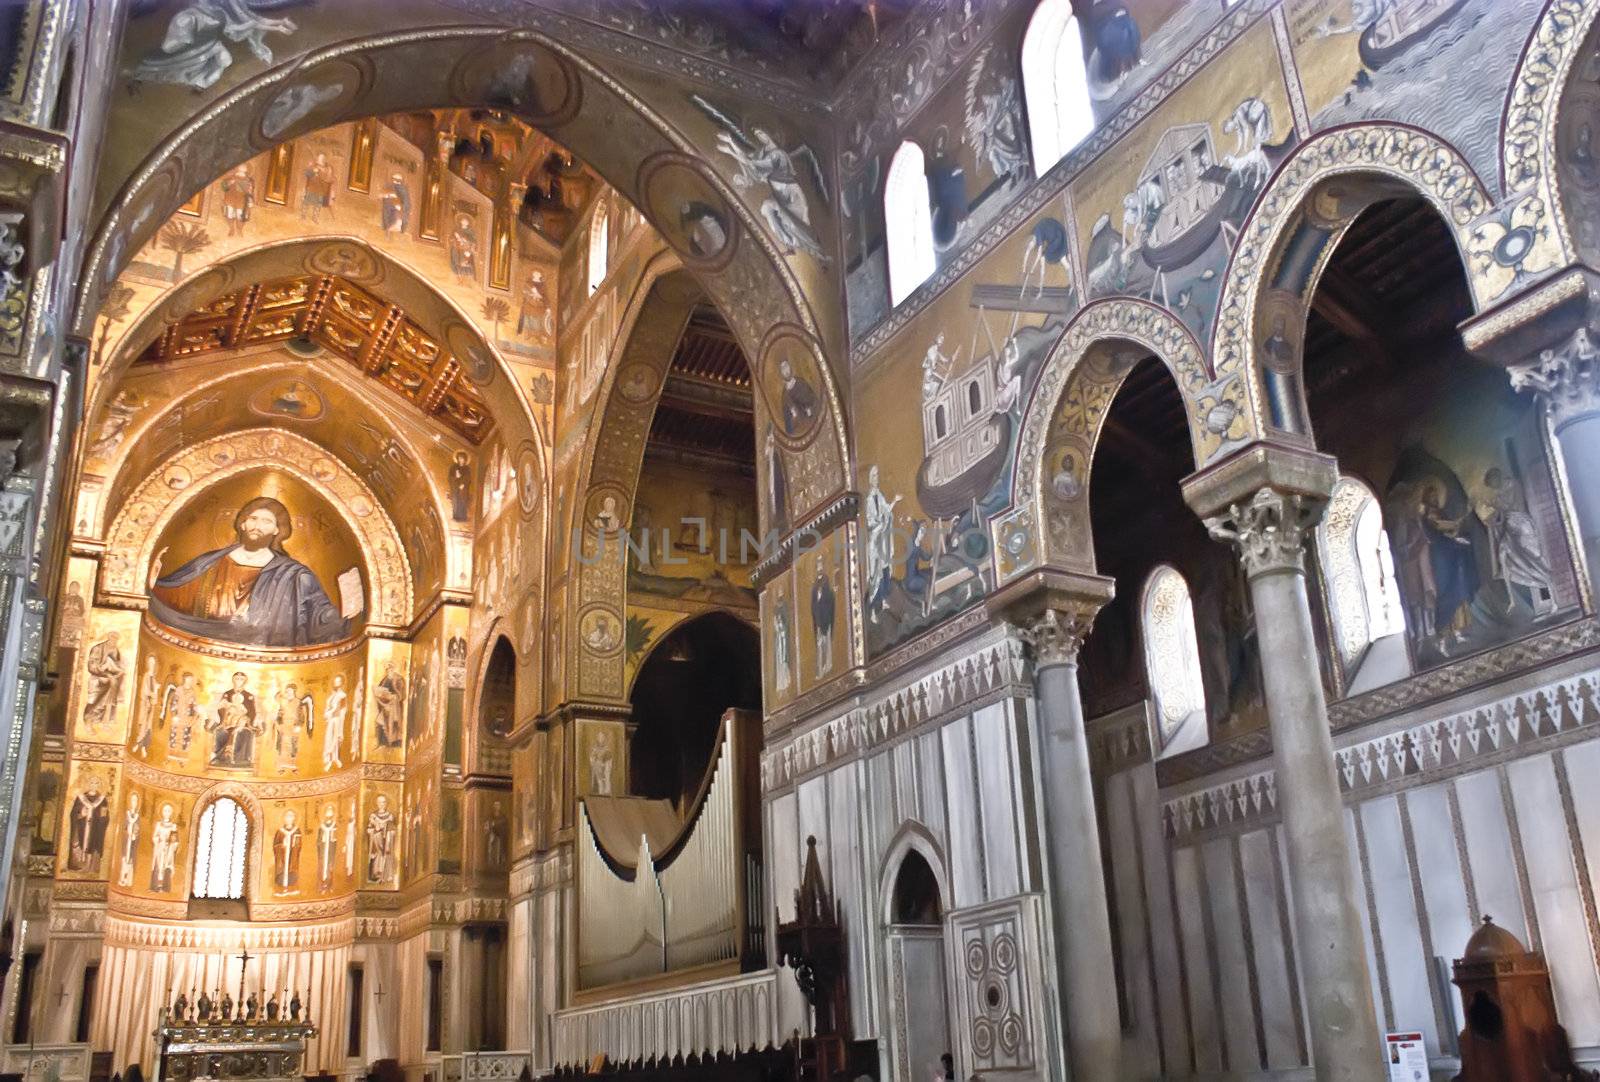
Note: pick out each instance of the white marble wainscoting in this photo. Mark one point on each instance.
(727, 1016)
(1482, 803)
(942, 763)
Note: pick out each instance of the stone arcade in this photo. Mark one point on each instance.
(891, 539)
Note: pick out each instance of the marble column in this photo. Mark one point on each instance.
(1547, 337)
(1055, 612)
(1265, 501)
(1566, 380)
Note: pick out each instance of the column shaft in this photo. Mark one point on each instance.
(1338, 992)
(1085, 966)
(1566, 380)
(1579, 441)
(1269, 529)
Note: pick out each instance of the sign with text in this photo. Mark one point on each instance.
(1407, 1056)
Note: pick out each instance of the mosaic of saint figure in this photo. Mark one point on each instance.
(382, 831)
(130, 841)
(86, 831)
(251, 592)
(164, 849)
(286, 855)
(390, 696)
(104, 688)
(327, 847)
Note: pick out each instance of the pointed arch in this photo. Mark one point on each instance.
(357, 261)
(126, 471)
(145, 515)
(912, 837)
(572, 99)
(1297, 221)
(657, 312)
(1050, 520)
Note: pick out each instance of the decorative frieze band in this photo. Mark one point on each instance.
(144, 935)
(76, 920)
(1452, 743)
(273, 790)
(808, 535)
(542, 872)
(1255, 797)
(994, 668)
(1120, 739)
(1431, 686)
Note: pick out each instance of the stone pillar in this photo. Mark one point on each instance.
(1265, 500)
(1055, 611)
(1566, 380)
(1548, 339)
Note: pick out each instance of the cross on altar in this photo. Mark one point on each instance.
(244, 960)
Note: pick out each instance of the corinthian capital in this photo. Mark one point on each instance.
(1269, 529)
(1053, 610)
(1566, 378)
(1057, 635)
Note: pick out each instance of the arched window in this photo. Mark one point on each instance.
(907, 222)
(599, 246)
(1385, 616)
(1055, 83)
(1172, 658)
(220, 848)
(1363, 595)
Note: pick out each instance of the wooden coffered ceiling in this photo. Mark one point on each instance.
(377, 338)
(706, 407)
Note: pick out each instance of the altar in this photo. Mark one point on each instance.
(224, 1039)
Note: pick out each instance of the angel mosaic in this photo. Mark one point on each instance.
(992, 122)
(195, 50)
(787, 209)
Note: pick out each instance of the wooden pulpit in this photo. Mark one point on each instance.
(1512, 1034)
(813, 945)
